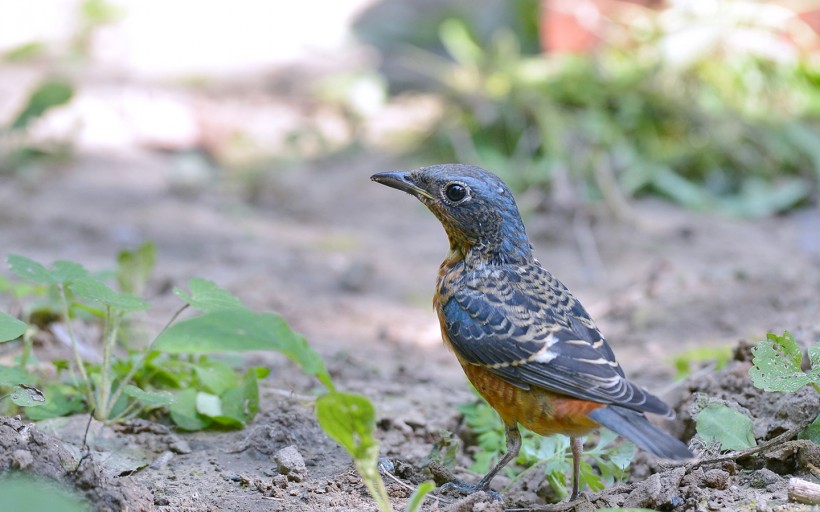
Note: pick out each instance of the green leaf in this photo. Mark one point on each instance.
(776, 364)
(456, 38)
(208, 404)
(19, 493)
(417, 498)
(216, 377)
(150, 399)
(10, 327)
(135, 267)
(27, 396)
(732, 429)
(349, 420)
(60, 401)
(29, 270)
(218, 411)
(47, 95)
(241, 330)
(184, 413)
(812, 432)
(67, 271)
(95, 290)
(207, 297)
(13, 375)
(242, 402)
(26, 51)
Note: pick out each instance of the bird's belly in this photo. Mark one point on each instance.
(536, 409)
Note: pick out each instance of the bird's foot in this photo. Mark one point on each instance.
(465, 488)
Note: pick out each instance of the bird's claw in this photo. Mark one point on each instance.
(465, 488)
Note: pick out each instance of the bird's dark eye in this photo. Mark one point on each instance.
(455, 192)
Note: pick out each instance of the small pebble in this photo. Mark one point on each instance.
(289, 462)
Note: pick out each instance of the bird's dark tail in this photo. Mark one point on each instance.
(635, 427)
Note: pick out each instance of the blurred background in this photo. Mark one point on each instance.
(666, 154)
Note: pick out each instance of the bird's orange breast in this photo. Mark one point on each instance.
(537, 409)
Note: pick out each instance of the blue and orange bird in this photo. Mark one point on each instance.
(525, 342)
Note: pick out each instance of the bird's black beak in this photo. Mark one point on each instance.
(401, 180)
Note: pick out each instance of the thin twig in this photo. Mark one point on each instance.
(409, 487)
(85, 450)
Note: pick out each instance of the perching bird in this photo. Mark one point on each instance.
(525, 342)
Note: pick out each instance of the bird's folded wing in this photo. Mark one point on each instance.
(535, 333)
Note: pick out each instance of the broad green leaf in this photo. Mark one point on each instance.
(812, 432)
(10, 327)
(732, 429)
(216, 377)
(207, 297)
(96, 291)
(135, 267)
(27, 396)
(242, 402)
(212, 406)
(776, 364)
(208, 404)
(228, 422)
(241, 330)
(18, 493)
(184, 413)
(150, 398)
(250, 393)
(417, 498)
(13, 375)
(591, 477)
(29, 270)
(67, 271)
(49, 94)
(350, 420)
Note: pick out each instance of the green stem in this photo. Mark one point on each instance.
(375, 486)
(134, 369)
(77, 359)
(111, 326)
(28, 343)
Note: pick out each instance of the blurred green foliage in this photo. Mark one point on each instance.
(651, 112)
(17, 149)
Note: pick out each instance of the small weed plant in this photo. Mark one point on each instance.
(181, 371)
(777, 366)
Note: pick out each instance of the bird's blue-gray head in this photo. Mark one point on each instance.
(475, 207)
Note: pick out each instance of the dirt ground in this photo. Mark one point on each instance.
(352, 266)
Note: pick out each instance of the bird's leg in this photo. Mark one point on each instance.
(577, 446)
(513, 447)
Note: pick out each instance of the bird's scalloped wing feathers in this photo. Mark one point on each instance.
(538, 337)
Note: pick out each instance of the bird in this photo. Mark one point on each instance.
(524, 341)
